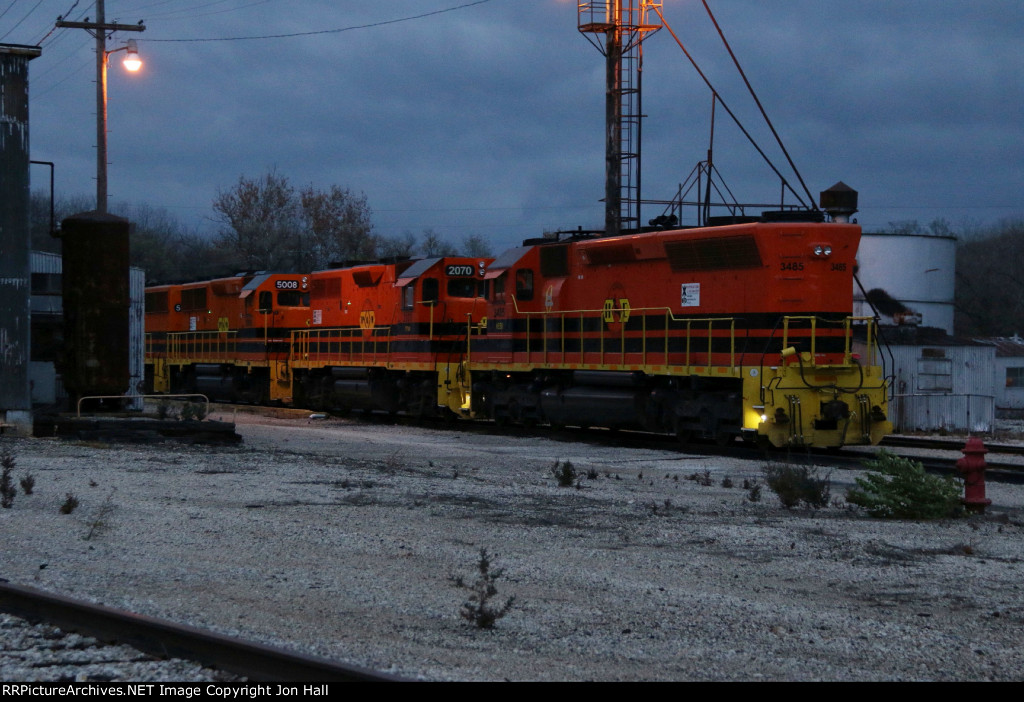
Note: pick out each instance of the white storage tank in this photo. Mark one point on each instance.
(917, 271)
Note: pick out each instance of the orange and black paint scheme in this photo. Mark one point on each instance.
(742, 330)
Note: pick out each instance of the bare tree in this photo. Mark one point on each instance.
(398, 246)
(434, 245)
(338, 227)
(261, 222)
(475, 245)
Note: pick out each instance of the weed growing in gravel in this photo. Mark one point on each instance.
(7, 489)
(28, 483)
(564, 473)
(478, 609)
(753, 489)
(592, 474)
(727, 482)
(163, 409)
(101, 519)
(70, 503)
(795, 485)
(898, 488)
(702, 478)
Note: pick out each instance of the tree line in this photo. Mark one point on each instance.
(262, 223)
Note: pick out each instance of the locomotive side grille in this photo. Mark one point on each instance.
(616, 253)
(329, 288)
(713, 254)
(194, 299)
(554, 261)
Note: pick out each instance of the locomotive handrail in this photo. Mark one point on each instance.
(302, 339)
(201, 345)
(668, 315)
(871, 343)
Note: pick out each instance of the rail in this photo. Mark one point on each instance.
(163, 638)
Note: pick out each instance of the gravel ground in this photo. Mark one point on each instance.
(346, 538)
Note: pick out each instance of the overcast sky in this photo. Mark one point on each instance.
(488, 119)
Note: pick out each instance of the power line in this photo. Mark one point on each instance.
(18, 24)
(330, 31)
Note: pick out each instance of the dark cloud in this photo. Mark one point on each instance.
(490, 119)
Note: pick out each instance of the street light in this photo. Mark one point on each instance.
(99, 30)
(132, 62)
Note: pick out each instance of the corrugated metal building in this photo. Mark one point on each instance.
(48, 330)
(940, 383)
(1009, 375)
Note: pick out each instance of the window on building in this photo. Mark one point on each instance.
(1015, 377)
(934, 371)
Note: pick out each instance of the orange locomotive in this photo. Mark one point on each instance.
(372, 336)
(228, 338)
(718, 332)
(740, 330)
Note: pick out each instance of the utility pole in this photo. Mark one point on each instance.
(99, 29)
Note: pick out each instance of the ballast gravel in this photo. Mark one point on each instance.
(348, 539)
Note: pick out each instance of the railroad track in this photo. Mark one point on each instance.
(164, 639)
(998, 470)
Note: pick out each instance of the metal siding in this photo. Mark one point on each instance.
(136, 335)
(15, 277)
(969, 406)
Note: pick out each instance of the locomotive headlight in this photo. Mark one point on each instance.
(828, 250)
(818, 250)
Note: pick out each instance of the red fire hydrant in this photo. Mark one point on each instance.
(972, 465)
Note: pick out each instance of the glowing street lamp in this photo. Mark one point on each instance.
(99, 30)
(131, 62)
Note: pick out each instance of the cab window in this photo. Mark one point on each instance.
(266, 301)
(524, 284)
(431, 290)
(407, 297)
(462, 287)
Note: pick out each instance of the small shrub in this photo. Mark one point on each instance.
(727, 482)
(898, 488)
(28, 483)
(188, 412)
(101, 520)
(70, 503)
(478, 609)
(753, 490)
(703, 478)
(7, 489)
(795, 485)
(564, 473)
(592, 474)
